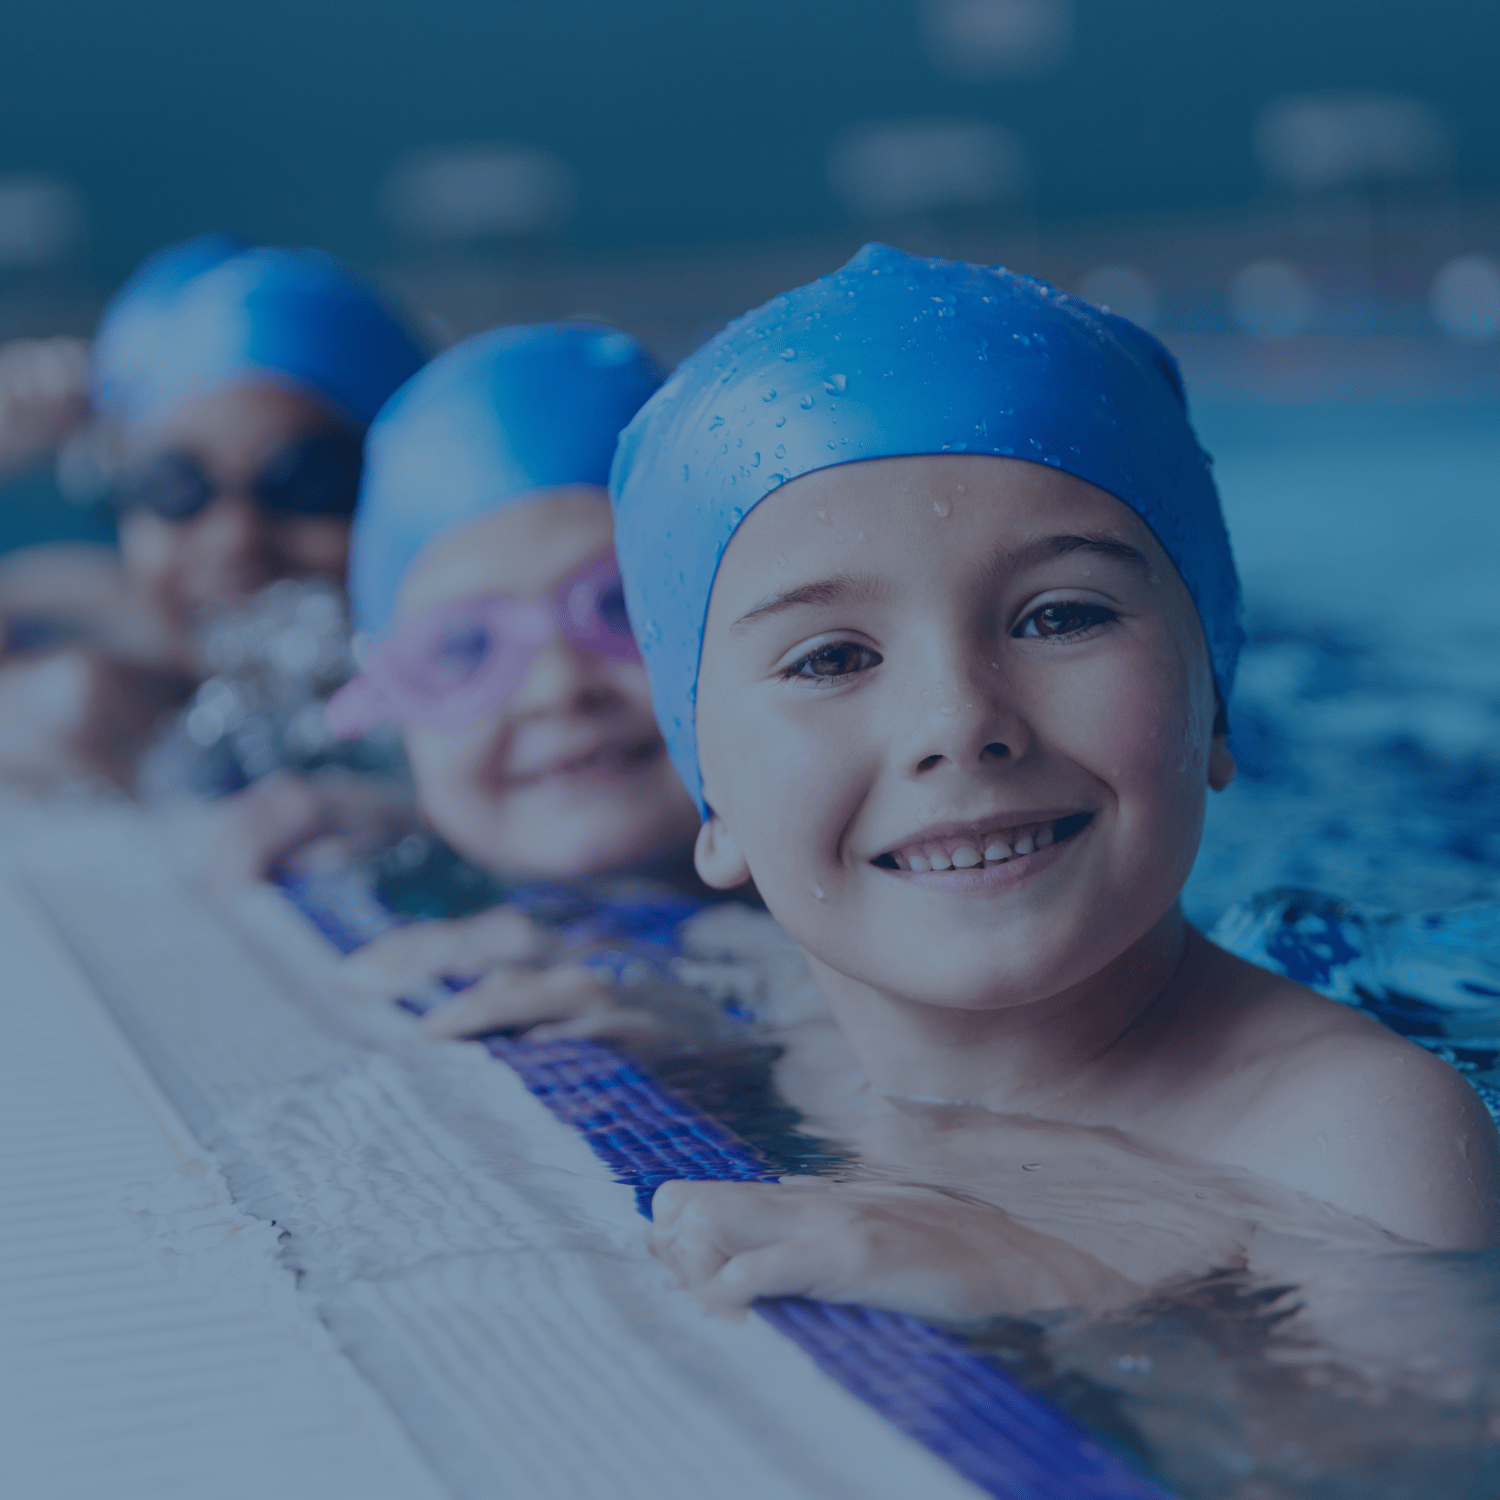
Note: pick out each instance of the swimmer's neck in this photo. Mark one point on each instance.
(1042, 1056)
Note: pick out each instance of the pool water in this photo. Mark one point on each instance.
(1366, 718)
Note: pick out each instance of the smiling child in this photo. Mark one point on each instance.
(484, 579)
(941, 618)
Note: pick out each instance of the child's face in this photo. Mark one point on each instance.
(193, 568)
(922, 656)
(570, 776)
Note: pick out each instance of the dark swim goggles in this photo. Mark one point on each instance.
(312, 476)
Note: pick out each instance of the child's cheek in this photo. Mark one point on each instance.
(1133, 723)
(796, 770)
(449, 765)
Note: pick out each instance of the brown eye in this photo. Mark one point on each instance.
(840, 660)
(1052, 621)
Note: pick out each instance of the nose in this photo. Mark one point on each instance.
(562, 678)
(230, 550)
(964, 720)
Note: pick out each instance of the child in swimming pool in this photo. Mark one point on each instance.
(483, 570)
(941, 619)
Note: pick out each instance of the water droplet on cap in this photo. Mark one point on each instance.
(835, 384)
(806, 403)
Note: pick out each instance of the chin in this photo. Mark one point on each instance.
(565, 859)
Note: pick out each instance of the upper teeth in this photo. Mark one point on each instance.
(963, 852)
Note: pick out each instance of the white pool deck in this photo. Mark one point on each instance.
(256, 1241)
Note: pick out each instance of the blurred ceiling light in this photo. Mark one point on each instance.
(985, 38)
(888, 171)
(480, 192)
(42, 220)
(1123, 290)
(1311, 141)
(1465, 298)
(1271, 299)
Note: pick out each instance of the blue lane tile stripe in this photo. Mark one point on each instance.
(1009, 1443)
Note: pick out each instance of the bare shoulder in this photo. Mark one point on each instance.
(1349, 1112)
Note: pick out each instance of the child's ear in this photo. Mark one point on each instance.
(718, 856)
(1221, 766)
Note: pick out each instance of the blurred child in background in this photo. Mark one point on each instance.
(232, 385)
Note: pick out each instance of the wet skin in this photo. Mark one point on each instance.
(899, 648)
(190, 570)
(570, 777)
(922, 654)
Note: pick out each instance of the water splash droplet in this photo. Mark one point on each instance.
(781, 450)
(806, 403)
(942, 507)
(817, 891)
(835, 384)
(769, 396)
(789, 354)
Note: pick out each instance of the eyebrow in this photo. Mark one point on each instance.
(854, 588)
(841, 588)
(1044, 549)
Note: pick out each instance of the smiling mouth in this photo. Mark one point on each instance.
(604, 762)
(982, 847)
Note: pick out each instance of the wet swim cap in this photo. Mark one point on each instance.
(895, 355)
(216, 310)
(487, 423)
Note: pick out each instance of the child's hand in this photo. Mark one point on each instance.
(301, 821)
(911, 1249)
(502, 947)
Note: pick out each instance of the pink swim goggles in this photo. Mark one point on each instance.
(456, 662)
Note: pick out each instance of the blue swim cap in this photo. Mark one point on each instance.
(891, 356)
(486, 424)
(216, 310)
